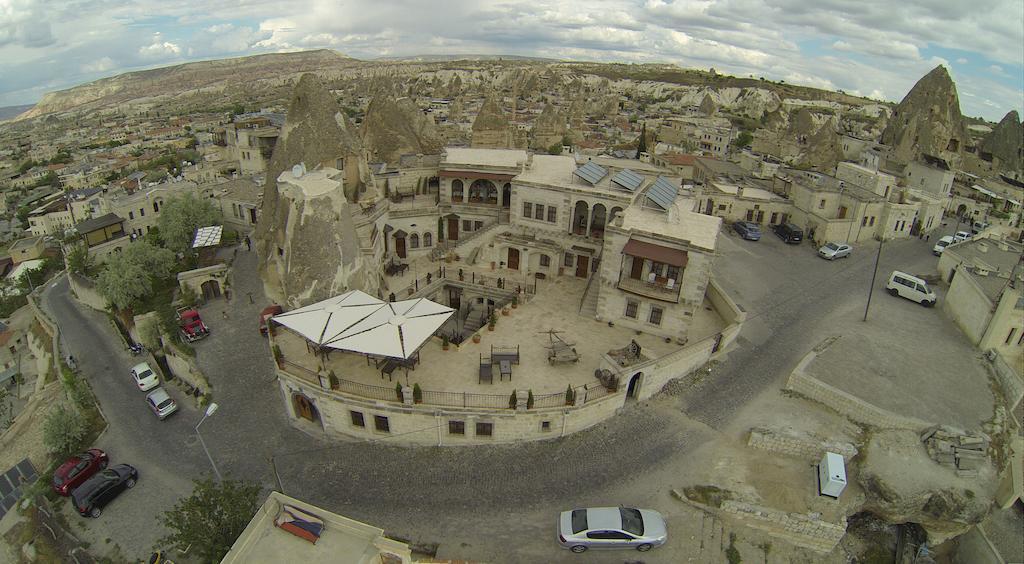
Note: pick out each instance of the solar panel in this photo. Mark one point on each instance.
(207, 236)
(628, 179)
(591, 172)
(663, 192)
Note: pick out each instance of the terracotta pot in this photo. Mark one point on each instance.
(476, 338)
(490, 327)
(504, 311)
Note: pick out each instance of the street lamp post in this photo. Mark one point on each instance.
(210, 410)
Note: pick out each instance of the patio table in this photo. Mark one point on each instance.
(505, 369)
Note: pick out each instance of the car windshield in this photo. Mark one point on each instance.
(165, 404)
(632, 522)
(145, 374)
(943, 243)
(579, 520)
(832, 247)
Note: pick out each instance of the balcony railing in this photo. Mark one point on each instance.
(658, 289)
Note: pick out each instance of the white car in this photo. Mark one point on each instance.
(942, 244)
(960, 236)
(832, 251)
(144, 377)
(611, 527)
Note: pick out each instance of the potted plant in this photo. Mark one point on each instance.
(444, 342)
(476, 338)
(529, 399)
(570, 395)
(335, 383)
(505, 310)
(492, 321)
(515, 302)
(417, 394)
(398, 391)
(512, 400)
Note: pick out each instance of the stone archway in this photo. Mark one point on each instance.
(633, 391)
(580, 215)
(599, 216)
(961, 210)
(305, 408)
(210, 289)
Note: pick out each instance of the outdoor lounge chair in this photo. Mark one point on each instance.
(300, 523)
(486, 370)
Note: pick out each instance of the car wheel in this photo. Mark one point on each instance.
(644, 547)
(95, 512)
(130, 483)
(893, 292)
(578, 548)
(927, 303)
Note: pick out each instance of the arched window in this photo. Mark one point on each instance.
(456, 190)
(428, 239)
(414, 241)
(545, 261)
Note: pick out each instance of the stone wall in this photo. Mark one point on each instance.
(85, 292)
(800, 445)
(186, 368)
(1009, 380)
(847, 405)
(968, 305)
(801, 530)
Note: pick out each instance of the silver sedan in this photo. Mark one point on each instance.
(611, 527)
(832, 251)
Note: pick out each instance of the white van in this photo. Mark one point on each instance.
(978, 227)
(910, 287)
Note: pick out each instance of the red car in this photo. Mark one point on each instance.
(78, 469)
(266, 314)
(192, 326)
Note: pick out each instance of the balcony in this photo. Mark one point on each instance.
(658, 290)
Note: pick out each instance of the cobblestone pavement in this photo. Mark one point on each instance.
(487, 503)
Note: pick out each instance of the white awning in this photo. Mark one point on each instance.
(985, 191)
(324, 320)
(394, 330)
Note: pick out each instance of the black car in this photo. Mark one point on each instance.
(95, 493)
(789, 233)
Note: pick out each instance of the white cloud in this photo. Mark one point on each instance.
(159, 49)
(102, 64)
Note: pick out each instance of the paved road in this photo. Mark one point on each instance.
(482, 500)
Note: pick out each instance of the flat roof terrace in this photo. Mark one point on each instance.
(456, 371)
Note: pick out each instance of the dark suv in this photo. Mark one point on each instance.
(95, 493)
(789, 233)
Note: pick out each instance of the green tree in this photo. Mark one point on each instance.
(63, 430)
(49, 179)
(157, 261)
(641, 147)
(555, 149)
(744, 139)
(26, 166)
(22, 214)
(79, 260)
(123, 282)
(180, 218)
(6, 409)
(211, 518)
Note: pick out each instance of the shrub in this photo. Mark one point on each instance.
(529, 399)
(570, 395)
(335, 383)
(63, 430)
(512, 400)
(417, 393)
(398, 391)
(278, 356)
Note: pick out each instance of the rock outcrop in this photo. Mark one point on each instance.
(1006, 143)
(928, 121)
(393, 128)
(491, 127)
(548, 128)
(306, 239)
(902, 484)
(822, 150)
(708, 106)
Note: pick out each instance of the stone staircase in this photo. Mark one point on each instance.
(441, 249)
(588, 307)
(475, 319)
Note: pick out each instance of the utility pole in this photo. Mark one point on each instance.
(878, 257)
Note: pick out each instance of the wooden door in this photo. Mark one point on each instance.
(637, 271)
(304, 408)
(760, 216)
(582, 262)
(513, 259)
(453, 229)
(400, 247)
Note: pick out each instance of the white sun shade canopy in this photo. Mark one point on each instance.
(323, 320)
(394, 330)
(207, 236)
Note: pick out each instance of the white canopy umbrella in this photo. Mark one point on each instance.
(394, 330)
(324, 320)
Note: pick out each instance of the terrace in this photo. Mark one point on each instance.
(451, 378)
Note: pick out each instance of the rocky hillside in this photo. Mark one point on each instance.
(169, 81)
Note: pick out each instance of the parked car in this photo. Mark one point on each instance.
(266, 314)
(941, 245)
(78, 469)
(748, 230)
(95, 493)
(960, 236)
(144, 377)
(832, 251)
(191, 325)
(910, 287)
(161, 403)
(611, 527)
(978, 227)
(789, 233)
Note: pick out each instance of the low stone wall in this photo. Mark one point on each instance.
(846, 404)
(1010, 381)
(186, 368)
(801, 530)
(800, 445)
(85, 292)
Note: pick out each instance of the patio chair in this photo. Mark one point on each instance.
(486, 370)
(510, 354)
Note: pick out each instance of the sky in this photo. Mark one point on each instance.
(875, 48)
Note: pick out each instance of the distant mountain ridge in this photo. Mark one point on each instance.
(8, 112)
(162, 81)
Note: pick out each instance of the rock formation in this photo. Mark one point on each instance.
(307, 240)
(548, 129)
(928, 121)
(491, 127)
(393, 127)
(1006, 143)
(822, 151)
(708, 106)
